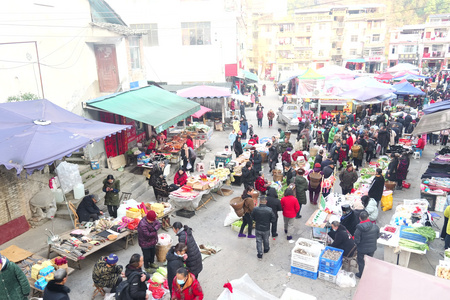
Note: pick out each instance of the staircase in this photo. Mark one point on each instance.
(131, 181)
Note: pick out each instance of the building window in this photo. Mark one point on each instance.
(408, 49)
(151, 38)
(354, 38)
(135, 53)
(352, 51)
(376, 38)
(196, 33)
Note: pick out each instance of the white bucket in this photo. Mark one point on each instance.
(58, 193)
(78, 191)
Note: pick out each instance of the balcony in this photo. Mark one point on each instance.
(284, 34)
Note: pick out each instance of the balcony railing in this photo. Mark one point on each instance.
(434, 54)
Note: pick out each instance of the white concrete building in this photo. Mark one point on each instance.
(188, 41)
(66, 51)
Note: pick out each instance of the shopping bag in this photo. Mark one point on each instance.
(387, 201)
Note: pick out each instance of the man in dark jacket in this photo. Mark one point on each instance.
(256, 160)
(366, 236)
(55, 289)
(383, 139)
(328, 171)
(107, 273)
(327, 162)
(274, 203)
(244, 128)
(377, 186)
(248, 176)
(334, 152)
(272, 157)
(87, 209)
(263, 217)
(349, 219)
(342, 239)
(289, 172)
(347, 178)
(242, 109)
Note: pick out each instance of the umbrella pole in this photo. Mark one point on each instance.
(65, 200)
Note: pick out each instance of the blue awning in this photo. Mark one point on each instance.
(357, 60)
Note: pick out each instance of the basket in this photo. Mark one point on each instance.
(277, 177)
(390, 185)
(328, 277)
(330, 266)
(277, 172)
(224, 192)
(161, 251)
(304, 273)
(237, 203)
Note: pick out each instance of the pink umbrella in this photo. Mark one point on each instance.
(204, 91)
(203, 110)
(384, 76)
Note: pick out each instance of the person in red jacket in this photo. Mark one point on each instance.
(190, 142)
(290, 207)
(420, 143)
(286, 156)
(261, 184)
(185, 286)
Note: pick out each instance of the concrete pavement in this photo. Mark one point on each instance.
(238, 256)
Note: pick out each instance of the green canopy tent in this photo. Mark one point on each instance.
(311, 74)
(151, 105)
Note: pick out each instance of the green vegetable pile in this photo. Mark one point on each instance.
(447, 254)
(344, 164)
(424, 231)
(413, 245)
(281, 191)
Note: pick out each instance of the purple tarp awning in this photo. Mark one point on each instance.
(36, 133)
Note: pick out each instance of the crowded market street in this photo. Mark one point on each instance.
(238, 255)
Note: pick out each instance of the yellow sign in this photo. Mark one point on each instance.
(348, 107)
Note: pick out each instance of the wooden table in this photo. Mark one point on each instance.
(318, 227)
(26, 264)
(128, 235)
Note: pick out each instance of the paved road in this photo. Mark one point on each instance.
(238, 256)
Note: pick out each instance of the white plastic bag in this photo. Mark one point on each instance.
(230, 218)
(164, 239)
(345, 279)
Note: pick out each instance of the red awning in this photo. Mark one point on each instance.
(203, 110)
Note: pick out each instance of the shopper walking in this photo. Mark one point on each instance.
(301, 186)
(357, 155)
(444, 134)
(188, 156)
(112, 188)
(148, 238)
(274, 203)
(259, 115)
(248, 177)
(175, 259)
(366, 236)
(244, 128)
(194, 261)
(290, 207)
(391, 173)
(402, 170)
(237, 145)
(270, 117)
(248, 208)
(272, 157)
(377, 186)
(370, 205)
(315, 183)
(232, 138)
(348, 177)
(263, 217)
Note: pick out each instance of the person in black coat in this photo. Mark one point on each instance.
(237, 146)
(342, 239)
(256, 159)
(136, 277)
(175, 260)
(377, 186)
(55, 289)
(349, 219)
(289, 172)
(366, 236)
(275, 204)
(272, 157)
(155, 173)
(194, 261)
(88, 209)
(248, 175)
(391, 173)
(383, 139)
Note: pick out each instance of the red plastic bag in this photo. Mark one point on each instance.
(134, 224)
(166, 284)
(153, 285)
(406, 185)
(158, 293)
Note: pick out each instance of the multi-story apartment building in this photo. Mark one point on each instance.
(426, 45)
(352, 36)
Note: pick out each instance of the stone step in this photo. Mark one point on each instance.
(85, 169)
(63, 214)
(147, 196)
(89, 174)
(77, 160)
(139, 189)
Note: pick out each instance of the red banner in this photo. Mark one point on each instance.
(131, 133)
(140, 137)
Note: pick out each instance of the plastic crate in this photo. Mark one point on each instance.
(330, 266)
(224, 160)
(411, 236)
(307, 267)
(304, 259)
(304, 273)
(328, 277)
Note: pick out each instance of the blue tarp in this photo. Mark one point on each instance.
(410, 77)
(36, 133)
(438, 106)
(406, 88)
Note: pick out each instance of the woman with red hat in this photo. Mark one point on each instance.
(148, 237)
